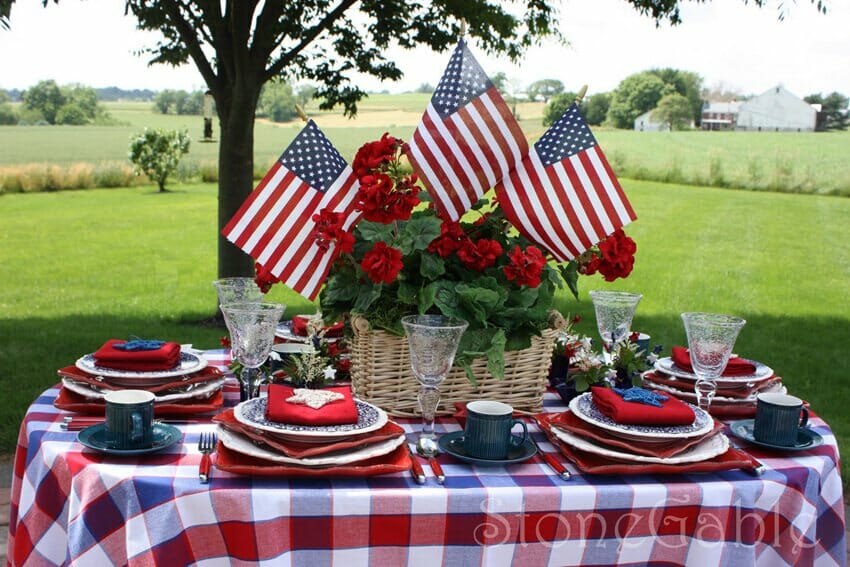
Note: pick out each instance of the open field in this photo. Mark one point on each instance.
(78, 267)
(785, 162)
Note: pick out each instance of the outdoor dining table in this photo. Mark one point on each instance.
(72, 505)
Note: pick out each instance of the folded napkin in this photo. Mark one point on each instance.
(670, 412)
(299, 327)
(206, 374)
(735, 367)
(334, 413)
(165, 357)
(568, 421)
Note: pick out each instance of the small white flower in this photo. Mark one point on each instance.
(274, 355)
(330, 373)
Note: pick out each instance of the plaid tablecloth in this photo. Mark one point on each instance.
(71, 505)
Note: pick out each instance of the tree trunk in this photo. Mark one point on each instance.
(235, 171)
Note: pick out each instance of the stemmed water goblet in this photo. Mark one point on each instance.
(237, 290)
(614, 313)
(433, 342)
(711, 338)
(252, 327)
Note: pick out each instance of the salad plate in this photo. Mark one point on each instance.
(763, 372)
(284, 331)
(253, 414)
(242, 444)
(584, 408)
(702, 451)
(776, 388)
(806, 438)
(191, 391)
(94, 437)
(452, 443)
(189, 364)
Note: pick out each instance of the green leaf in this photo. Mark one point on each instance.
(432, 266)
(524, 297)
(418, 233)
(374, 231)
(366, 296)
(427, 297)
(407, 292)
(570, 275)
(447, 301)
(478, 302)
(496, 355)
(518, 341)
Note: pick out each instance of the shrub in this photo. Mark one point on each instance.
(157, 153)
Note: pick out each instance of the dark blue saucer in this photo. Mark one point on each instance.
(452, 443)
(806, 438)
(94, 437)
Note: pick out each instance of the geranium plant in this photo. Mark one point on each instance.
(401, 258)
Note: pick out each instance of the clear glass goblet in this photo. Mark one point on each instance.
(614, 313)
(237, 290)
(252, 327)
(711, 338)
(433, 342)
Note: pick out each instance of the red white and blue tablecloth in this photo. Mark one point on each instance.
(71, 505)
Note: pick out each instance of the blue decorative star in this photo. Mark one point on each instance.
(641, 396)
(138, 344)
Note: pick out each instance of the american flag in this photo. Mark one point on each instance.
(564, 195)
(275, 224)
(468, 138)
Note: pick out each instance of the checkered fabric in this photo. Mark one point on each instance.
(71, 505)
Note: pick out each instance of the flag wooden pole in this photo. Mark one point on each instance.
(582, 91)
(301, 113)
(462, 29)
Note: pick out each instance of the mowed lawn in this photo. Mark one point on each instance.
(78, 267)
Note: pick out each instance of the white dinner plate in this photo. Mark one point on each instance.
(763, 372)
(189, 364)
(776, 388)
(253, 414)
(584, 408)
(702, 451)
(284, 331)
(202, 390)
(246, 446)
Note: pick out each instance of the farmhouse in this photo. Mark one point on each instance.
(776, 110)
(720, 115)
(645, 123)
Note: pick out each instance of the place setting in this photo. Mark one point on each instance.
(178, 378)
(780, 425)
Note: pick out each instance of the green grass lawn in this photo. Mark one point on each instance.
(78, 267)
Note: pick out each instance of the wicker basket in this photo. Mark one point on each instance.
(381, 375)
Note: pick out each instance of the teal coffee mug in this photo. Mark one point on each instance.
(129, 419)
(487, 434)
(779, 418)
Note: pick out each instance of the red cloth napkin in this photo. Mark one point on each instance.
(299, 327)
(334, 413)
(165, 357)
(671, 412)
(206, 374)
(688, 386)
(72, 401)
(735, 367)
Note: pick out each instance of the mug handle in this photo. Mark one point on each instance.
(804, 416)
(136, 432)
(519, 441)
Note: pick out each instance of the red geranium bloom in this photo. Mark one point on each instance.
(382, 263)
(225, 341)
(264, 278)
(451, 238)
(479, 255)
(329, 230)
(374, 154)
(618, 256)
(525, 267)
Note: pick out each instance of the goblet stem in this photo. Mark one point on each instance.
(429, 398)
(705, 390)
(248, 383)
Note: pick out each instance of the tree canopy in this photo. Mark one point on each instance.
(674, 110)
(641, 92)
(834, 114)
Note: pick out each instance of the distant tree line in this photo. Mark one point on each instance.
(48, 103)
(179, 102)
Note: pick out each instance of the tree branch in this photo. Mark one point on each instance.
(285, 59)
(191, 41)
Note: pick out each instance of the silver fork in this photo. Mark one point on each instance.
(206, 445)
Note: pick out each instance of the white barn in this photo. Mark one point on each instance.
(645, 123)
(775, 110)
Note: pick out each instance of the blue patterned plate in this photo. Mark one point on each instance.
(253, 414)
(585, 409)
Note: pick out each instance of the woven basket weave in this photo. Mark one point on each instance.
(381, 374)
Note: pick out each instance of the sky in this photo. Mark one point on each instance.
(740, 47)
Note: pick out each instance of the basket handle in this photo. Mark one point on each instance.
(360, 325)
(556, 320)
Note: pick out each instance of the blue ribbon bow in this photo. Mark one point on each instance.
(641, 396)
